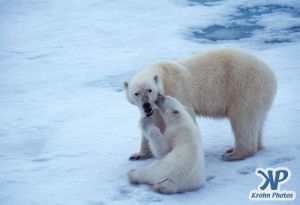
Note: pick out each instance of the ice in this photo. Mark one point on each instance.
(232, 32)
(66, 128)
(255, 21)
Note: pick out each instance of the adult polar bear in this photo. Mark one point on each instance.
(223, 83)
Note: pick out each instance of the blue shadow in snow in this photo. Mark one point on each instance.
(219, 32)
(250, 13)
(203, 2)
(244, 24)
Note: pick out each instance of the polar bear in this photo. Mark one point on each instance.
(181, 164)
(226, 83)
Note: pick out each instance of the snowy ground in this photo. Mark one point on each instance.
(66, 129)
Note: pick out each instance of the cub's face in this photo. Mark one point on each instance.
(171, 109)
(139, 93)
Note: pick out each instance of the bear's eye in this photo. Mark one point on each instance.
(175, 112)
(149, 90)
(136, 94)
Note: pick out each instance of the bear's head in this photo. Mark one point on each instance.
(172, 110)
(143, 89)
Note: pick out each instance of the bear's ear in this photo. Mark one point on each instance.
(155, 78)
(126, 85)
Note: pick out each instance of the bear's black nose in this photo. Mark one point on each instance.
(146, 105)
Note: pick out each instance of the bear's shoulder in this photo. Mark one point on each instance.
(165, 69)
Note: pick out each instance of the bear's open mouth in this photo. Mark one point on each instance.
(147, 109)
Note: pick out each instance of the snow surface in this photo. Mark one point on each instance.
(66, 128)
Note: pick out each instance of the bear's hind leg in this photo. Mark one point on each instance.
(166, 186)
(260, 131)
(260, 145)
(246, 132)
(141, 175)
(149, 174)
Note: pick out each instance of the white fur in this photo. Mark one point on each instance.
(181, 167)
(224, 83)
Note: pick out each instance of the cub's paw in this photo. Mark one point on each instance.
(133, 176)
(145, 122)
(140, 156)
(166, 187)
(161, 189)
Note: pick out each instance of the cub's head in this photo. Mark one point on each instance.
(172, 110)
(143, 89)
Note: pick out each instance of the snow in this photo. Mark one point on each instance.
(66, 128)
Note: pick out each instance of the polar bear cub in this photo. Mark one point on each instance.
(181, 159)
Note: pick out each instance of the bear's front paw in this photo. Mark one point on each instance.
(145, 122)
(140, 156)
(132, 176)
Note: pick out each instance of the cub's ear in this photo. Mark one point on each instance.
(155, 78)
(126, 84)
